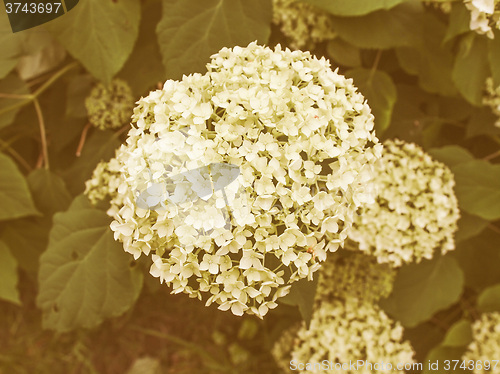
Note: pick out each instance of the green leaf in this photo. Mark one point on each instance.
(144, 69)
(78, 89)
(302, 295)
(471, 70)
(28, 237)
(494, 57)
(430, 60)
(435, 360)
(10, 46)
(8, 276)
(459, 335)
(49, 191)
(451, 155)
(10, 85)
(15, 198)
(469, 226)
(422, 338)
(482, 121)
(380, 91)
(382, 29)
(353, 7)
(478, 188)
(85, 275)
(489, 299)
(343, 53)
(42, 61)
(459, 21)
(421, 290)
(190, 31)
(100, 146)
(100, 34)
(479, 258)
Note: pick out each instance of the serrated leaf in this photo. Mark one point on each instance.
(10, 85)
(100, 34)
(353, 7)
(380, 91)
(302, 295)
(435, 360)
(430, 60)
(421, 290)
(494, 57)
(85, 275)
(190, 31)
(49, 191)
(15, 198)
(382, 29)
(459, 335)
(489, 299)
(479, 258)
(28, 237)
(344, 53)
(8, 276)
(478, 188)
(470, 71)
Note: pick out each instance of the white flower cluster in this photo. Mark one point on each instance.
(348, 274)
(484, 14)
(343, 331)
(492, 98)
(302, 23)
(486, 343)
(104, 182)
(300, 135)
(415, 212)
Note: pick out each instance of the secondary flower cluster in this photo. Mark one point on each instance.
(484, 16)
(343, 331)
(302, 23)
(104, 182)
(486, 343)
(353, 274)
(301, 137)
(492, 98)
(415, 211)
(110, 107)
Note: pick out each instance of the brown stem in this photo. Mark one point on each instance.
(82, 139)
(492, 156)
(16, 156)
(43, 134)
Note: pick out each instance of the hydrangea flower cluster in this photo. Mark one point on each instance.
(302, 23)
(104, 182)
(484, 16)
(354, 274)
(415, 211)
(343, 331)
(492, 98)
(486, 343)
(302, 138)
(110, 107)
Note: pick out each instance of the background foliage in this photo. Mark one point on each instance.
(62, 275)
